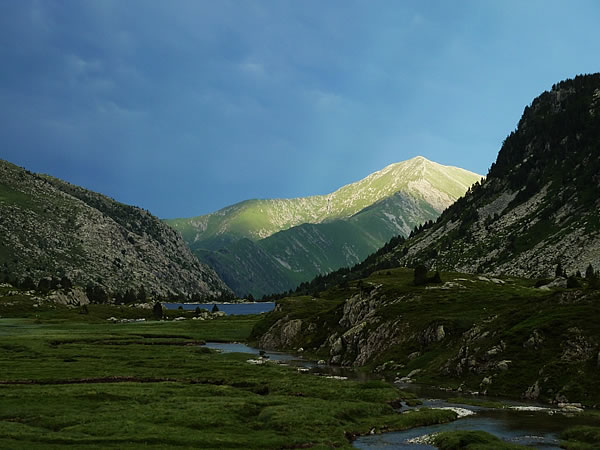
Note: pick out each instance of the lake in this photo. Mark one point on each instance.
(232, 309)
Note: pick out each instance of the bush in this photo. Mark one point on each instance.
(66, 283)
(421, 276)
(157, 311)
(436, 278)
(44, 286)
(572, 282)
(27, 284)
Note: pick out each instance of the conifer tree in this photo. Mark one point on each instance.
(157, 311)
(559, 270)
(589, 272)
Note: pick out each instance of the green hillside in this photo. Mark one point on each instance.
(500, 336)
(285, 259)
(506, 307)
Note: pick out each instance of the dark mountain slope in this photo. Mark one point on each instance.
(540, 202)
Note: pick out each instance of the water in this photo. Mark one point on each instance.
(228, 308)
(499, 423)
(537, 429)
(234, 347)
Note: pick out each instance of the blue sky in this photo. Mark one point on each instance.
(183, 107)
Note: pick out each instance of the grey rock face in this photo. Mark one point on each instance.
(284, 334)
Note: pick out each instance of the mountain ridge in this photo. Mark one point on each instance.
(259, 218)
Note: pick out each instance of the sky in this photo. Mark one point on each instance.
(183, 107)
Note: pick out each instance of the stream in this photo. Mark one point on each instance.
(537, 426)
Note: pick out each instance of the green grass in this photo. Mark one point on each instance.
(472, 440)
(78, 380)
(580, 438)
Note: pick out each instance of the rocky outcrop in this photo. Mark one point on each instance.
(70, 297)
(284, 334)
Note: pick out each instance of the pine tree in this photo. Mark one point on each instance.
(572, 282)
(66, 283)
(589, 272)
(157, 311)
(559, 271)
(44, 286)
(141, 295)
(27, 284)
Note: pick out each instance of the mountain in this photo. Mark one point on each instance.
(430, 183)
(309, 236)
(540, 203)
(50, 228)
(478, 325)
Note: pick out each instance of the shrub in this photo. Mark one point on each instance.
(157, 311)
(572, 282)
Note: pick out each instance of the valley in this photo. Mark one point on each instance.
(418, 277)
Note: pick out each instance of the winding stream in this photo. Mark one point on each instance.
(538, 428)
